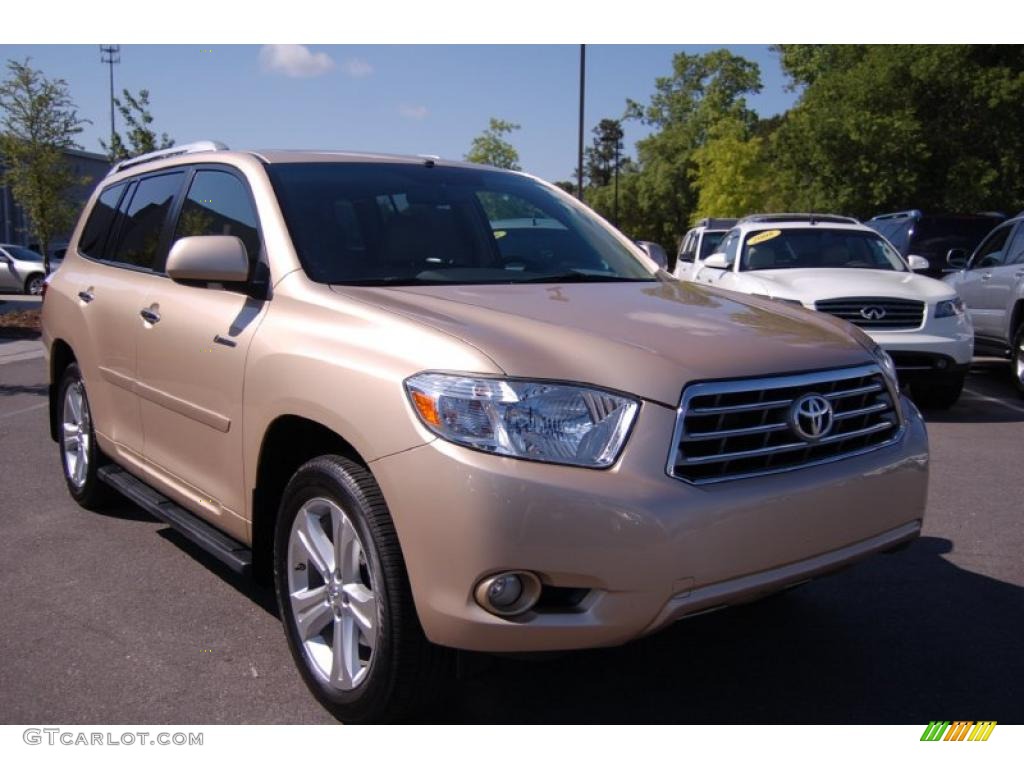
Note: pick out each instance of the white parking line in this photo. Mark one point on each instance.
(23, 410)
(978, 396)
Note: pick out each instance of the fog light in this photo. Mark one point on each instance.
(508, 594)
(941, 363)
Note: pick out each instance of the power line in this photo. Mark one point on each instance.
(111, 55)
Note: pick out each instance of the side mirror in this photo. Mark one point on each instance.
(957, 258)
(655, 252)
(209, 259)
(717, 261)
(918, 263)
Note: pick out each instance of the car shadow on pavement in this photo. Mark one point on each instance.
(260, 594)
(988, 398)
(902, 638)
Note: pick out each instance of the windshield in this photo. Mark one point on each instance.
(22, 254)
(409, 224)
(710, 242)
(818, 248)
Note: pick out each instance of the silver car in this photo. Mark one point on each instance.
(21, 270)
(991, 284)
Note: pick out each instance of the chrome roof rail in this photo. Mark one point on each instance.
(180, 149)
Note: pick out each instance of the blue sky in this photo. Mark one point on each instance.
(407, 99)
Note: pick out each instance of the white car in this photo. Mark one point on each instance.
(837, 265)
(21, 270)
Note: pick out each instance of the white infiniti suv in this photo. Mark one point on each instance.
(835, 264)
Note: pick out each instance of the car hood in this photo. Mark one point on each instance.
(645, 338)
(810, 285)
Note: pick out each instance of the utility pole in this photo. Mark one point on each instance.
(111, 55)
(615, 207)
(579, 154)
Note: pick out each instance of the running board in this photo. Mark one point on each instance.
(233, 554)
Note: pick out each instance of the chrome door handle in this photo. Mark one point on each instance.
(150, 316)
(86, 296)
(987, 276)
(1019, 273)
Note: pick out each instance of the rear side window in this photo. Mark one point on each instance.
(218, 204)
(93, 241)
(144, 220)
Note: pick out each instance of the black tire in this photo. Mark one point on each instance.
(939, 392)
(34, 284)
(1017, 360)
(405, 670)
(90, 492)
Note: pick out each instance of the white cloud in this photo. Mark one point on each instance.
(294, 61)
(357, 68)
(413, 111)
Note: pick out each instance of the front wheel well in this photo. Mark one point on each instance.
(1016, 320)
(289, 442)
(61, 356)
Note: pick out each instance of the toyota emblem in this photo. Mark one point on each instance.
(810, 417)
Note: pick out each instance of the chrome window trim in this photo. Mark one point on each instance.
(690, 391)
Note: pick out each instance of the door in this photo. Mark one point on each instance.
(684, 259)
(983, 286)
(10, 281)
(721, 277)
(192, 354)
(121, 242)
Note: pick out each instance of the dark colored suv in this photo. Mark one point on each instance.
(933, 235)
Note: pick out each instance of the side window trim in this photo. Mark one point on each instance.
(113, 240)
(123, 187)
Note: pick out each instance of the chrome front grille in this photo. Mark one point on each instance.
(726, 430)
(874, 313)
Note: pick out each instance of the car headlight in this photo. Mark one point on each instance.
(558, 423)
(949, 308)
(886, 362)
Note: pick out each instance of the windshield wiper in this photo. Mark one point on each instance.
(576, 276)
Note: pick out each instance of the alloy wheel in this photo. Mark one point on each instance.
(331, 589)
(1018, 360)
(76, 433)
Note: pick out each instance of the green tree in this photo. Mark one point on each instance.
(491, 147)
(39, 122)
(141, 138)
(732, 172)
(701, 91)
(603, 158)
(884, 127)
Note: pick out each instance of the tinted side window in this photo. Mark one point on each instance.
(145, 218)
(218, 204)
(687, 248)
(1016, 249)
(990, 253)
(93, 241)
(731, 245)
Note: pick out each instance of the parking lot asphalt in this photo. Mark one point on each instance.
(114, 618)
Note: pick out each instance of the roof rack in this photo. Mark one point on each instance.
(912, 214)
(712, 223)
(812, 218)
(181, 149)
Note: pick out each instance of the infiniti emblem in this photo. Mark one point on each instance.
(810, 417)
(872, 313)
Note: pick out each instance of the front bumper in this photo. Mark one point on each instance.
(650, 549)
(949, 338)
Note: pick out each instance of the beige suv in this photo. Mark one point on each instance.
(448, 407)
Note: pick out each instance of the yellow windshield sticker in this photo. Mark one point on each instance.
(499, 233)
(762, 237)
